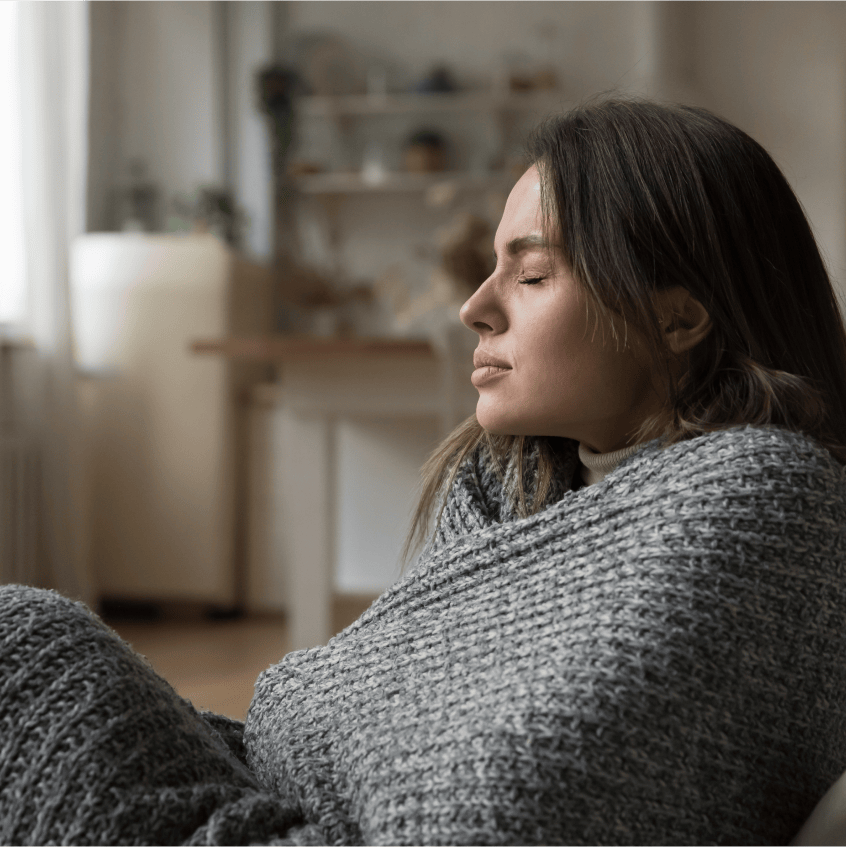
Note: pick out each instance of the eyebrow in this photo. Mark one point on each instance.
(525, 242)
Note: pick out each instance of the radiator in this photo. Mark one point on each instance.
(19, 509)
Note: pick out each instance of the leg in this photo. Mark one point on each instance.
(96, 748)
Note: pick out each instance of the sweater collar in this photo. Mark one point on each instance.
(596, 466)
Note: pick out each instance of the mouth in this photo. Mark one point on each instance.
(487, 373)
(483, 360)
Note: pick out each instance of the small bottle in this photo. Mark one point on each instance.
(373, 169)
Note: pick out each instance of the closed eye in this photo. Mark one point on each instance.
(531, 281)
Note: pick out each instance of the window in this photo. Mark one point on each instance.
(12, 258)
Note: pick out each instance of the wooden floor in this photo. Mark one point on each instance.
(214, 663)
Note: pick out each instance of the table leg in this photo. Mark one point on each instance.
(308, 516)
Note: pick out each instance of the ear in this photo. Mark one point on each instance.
(684, 320)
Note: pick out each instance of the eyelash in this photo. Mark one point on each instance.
(534, 280)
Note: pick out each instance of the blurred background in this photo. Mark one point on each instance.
(236, 236)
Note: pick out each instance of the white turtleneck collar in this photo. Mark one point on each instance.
(596, 466)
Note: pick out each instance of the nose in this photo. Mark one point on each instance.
(481, 312)
(467, 311)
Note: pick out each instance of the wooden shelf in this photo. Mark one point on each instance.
(388, 104)
(354, 183)
(275, 348)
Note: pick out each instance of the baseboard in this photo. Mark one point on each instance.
(346, 608)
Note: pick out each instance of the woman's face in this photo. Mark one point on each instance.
(561, 374)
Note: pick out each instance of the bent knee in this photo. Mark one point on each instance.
(38, 608)
(34, 598)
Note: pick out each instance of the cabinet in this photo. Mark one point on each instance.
(158, 419)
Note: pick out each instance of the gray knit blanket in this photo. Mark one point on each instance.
(654, 659)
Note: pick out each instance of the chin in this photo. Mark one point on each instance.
(499, 425)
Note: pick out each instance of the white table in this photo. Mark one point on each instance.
(321, 383)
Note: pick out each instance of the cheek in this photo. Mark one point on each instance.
(570, 370)
(554, 375)
(561, 355)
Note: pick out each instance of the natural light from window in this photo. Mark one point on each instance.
(12, 266)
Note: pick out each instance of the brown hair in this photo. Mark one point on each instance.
(647, 196)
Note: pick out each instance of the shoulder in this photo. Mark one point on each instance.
(731, 492)
(740, 456)
(728, 492)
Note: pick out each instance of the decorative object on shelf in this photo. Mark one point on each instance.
(426, 152)
(439, 81)
(464, 248)
(312, 304)
(466, 252)
(139, 200)
(542, 79)
(211, 209)
(373, 170)
(277, 87)
(302, 167)
(520, 74)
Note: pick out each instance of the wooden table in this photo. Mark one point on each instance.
(278, 348)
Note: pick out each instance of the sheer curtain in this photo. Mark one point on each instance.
(51, 41)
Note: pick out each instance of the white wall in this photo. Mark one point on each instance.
(592, 39)
(156, 96)
(776, 70)
(250, 42)
(378, 471)
(171, 102)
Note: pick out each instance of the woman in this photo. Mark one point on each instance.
(626, 625)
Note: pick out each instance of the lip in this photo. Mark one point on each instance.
(482, 359)
(487, 373)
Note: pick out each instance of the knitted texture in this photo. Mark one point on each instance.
(95, 748)
(657, 658)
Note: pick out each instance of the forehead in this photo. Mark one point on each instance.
(521, 225)
(523, 204)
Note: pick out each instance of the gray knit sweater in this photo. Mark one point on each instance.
(656, 658)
